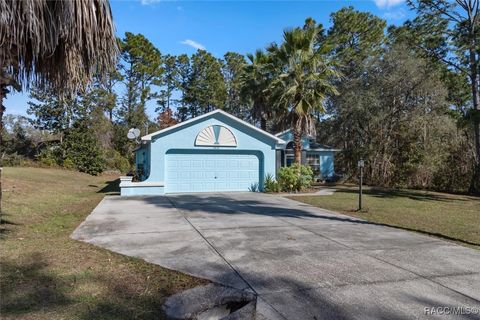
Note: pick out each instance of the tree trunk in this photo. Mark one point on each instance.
(3, 91)
(297, 146)
(263, 124)
(475, 84)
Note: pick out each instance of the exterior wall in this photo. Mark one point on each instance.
(142, 160)
(279, 160)
(326, 157)
(326, 164)
(288, 136)
(135, 191)
(129, 188)
(183, 138)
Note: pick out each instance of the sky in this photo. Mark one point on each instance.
(176, 27)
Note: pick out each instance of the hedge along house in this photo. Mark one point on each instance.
(214, 152)
(318, 156)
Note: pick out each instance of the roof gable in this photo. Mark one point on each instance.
(205, 116)
(308, 142)
(282, 133)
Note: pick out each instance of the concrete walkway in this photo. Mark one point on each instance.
(303, 262)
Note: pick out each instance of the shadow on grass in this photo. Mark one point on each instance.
(229, 205)
(5, 225)
(26, 287)
(112, 187)
(429, 233)
(8, 222)
(410, 194)
(29, 286)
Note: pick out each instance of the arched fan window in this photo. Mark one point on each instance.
(216, 136)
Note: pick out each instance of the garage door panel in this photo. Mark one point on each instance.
(210, 172)
(209, 175)
(221, 175)
(209, 164)
(221, 163)
(197, 175)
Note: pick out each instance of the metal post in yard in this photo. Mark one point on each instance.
(361, 164)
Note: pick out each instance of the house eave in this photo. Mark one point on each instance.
(288, 130)
(323, 149)
(318, 150)
(149, 137)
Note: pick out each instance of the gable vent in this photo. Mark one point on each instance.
(216, 136)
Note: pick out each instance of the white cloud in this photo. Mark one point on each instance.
(149, 2)
(388, 3)
(193, 44)
(394, 14)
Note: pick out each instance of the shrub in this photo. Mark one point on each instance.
(47, 158)
(271, 185)
(83, 149)
(305, 179)
(115, 161)
(287, 179)
(13, 160)
(68, 164)
(295, 178)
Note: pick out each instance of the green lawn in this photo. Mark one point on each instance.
(46, 275)
(448, 216)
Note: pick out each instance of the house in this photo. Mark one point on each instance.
(318, 156)
(214, 152)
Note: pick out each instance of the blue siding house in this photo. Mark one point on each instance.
(318, 156)
(214, 152)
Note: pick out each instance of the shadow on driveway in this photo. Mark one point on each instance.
(232, 206)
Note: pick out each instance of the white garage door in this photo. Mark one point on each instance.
(211, 172)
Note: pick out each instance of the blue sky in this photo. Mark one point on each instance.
(177, 27)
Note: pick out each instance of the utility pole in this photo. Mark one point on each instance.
(361, 164)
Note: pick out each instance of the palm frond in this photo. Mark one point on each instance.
(59, 44)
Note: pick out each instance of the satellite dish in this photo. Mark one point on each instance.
(133, 133)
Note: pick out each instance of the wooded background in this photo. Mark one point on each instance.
(405, 99)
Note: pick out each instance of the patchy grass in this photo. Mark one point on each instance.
(46, 275)
(448, 216)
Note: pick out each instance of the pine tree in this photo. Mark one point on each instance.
(52, 113)
(233, 69)
(168, 82)
(183, 74)
(205, 87)
(141, 68)
(82, 149)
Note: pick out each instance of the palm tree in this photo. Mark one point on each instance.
(302, 82)
(54, 44)
(255, 81)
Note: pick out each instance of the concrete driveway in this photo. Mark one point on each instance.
(303, 262)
